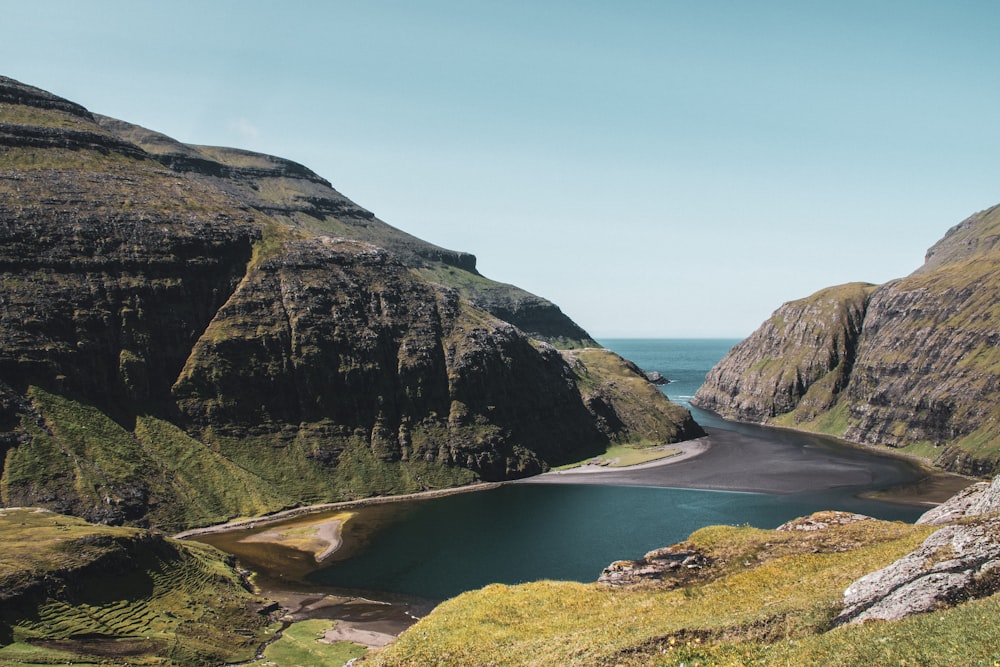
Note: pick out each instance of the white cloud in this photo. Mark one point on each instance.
(244, 129)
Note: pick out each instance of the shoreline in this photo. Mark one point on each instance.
(882, 450)
(291, 513)
(686, 449)
(320, 538)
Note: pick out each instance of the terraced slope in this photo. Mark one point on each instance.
(76, 593)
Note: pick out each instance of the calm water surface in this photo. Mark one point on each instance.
(525, 532)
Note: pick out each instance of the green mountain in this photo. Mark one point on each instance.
(191, 334)
(913, 364)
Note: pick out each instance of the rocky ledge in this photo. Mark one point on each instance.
(959, 562)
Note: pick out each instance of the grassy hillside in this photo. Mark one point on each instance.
(755, 596)
(76, 593)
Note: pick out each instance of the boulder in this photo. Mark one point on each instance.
(959, 562)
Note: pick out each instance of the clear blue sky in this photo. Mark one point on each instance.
(656, 168)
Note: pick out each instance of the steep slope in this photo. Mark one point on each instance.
(912, 364)
(800, 359)
(294, 195)
(176, 351)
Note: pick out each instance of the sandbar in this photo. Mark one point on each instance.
(320, 538)
(681, 451)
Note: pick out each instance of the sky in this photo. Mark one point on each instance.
(656, 168)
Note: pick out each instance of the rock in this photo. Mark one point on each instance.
(675, 562)
(656, 378)
(822, 521)
(955, 564)
(977, 499)
(960, 561)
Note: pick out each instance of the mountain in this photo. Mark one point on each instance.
(913, 364)
(191, 334)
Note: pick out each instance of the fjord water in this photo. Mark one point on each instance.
(525, 532)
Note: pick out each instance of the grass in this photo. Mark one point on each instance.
(86, 594)
(763, 588)
(210, 488)
(619, 456)
(84, 454)
(646, 415)
(19, 114)
(299, 646)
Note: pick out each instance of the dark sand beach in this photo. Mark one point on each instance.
(762, 460)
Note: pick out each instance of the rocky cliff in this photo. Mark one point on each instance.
(190, 334)
(912, 364)
(295, 196)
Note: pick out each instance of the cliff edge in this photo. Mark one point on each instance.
(913, 364)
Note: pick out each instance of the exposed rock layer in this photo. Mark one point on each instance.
(914, 362)
(194, 333)
(294, 195)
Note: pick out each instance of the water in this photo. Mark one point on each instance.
(529, 532)
(684, 361)
(526, 532)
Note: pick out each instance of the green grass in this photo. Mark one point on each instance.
(647, 416)
(763, 588)
(117, 595)
(620, 456)
(299, 646)
(19, 114)
(209, 487)
(84, 454)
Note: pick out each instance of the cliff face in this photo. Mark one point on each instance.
(912, 364)
(801, 358)
(190, 334)
(295, 196)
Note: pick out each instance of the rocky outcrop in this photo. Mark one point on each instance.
(194, 333)
(913, 362)
(958, 562)
(657, 378)
(801, 358)
(670, 567)
(976, 499)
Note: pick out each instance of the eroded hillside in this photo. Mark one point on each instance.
(191, 334)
